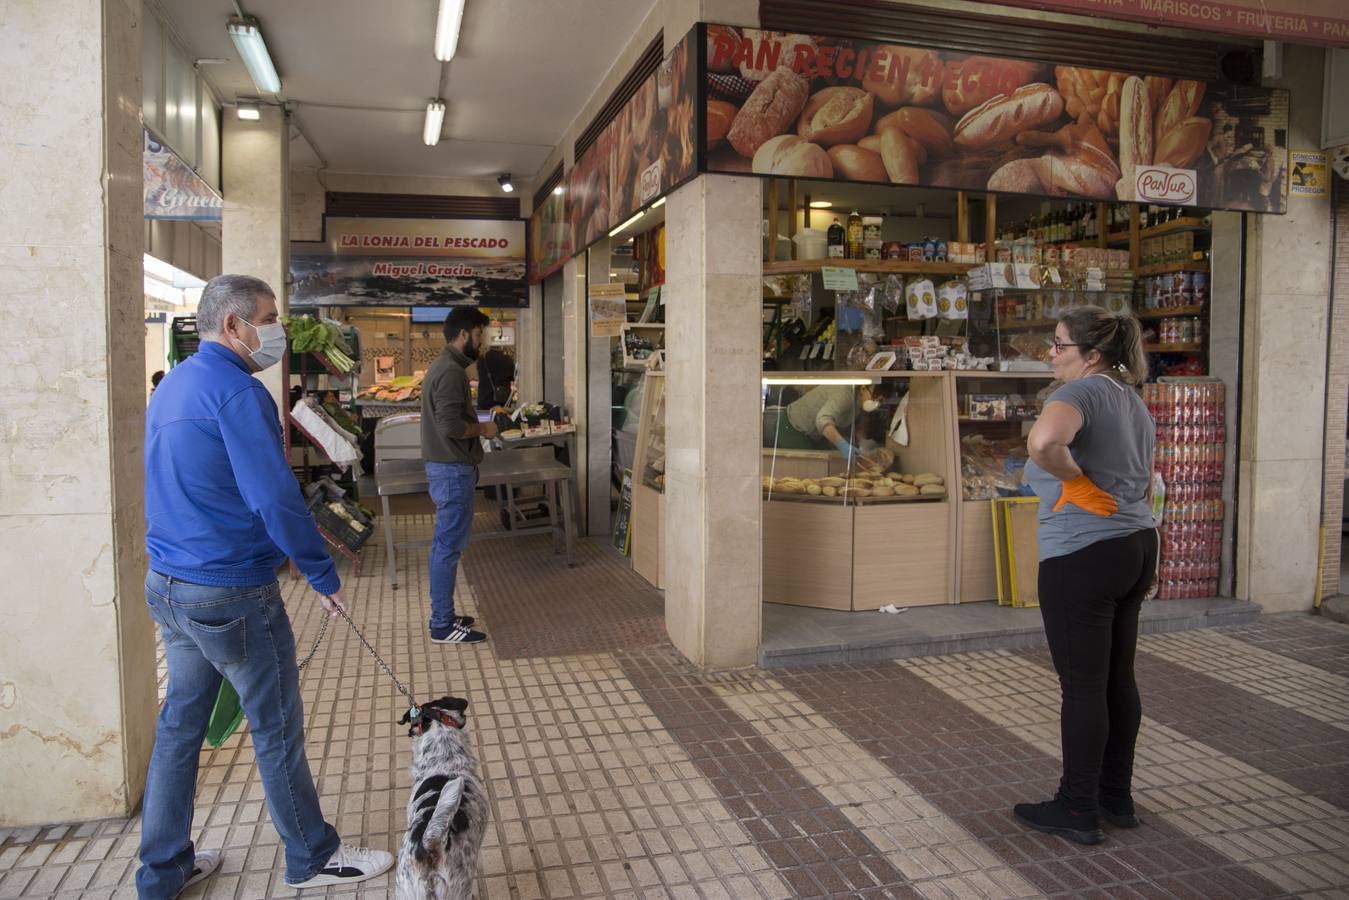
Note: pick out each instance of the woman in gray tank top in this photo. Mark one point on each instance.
(1091, 466)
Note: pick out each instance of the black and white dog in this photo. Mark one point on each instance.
(447, 813)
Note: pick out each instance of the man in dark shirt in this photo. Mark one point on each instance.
(452, 451)
(496, 371)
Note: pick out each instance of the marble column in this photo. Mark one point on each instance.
(713, 317)
(1288, 276)
(575, 384)
(255, 234)
(77, 653)
(599, 403)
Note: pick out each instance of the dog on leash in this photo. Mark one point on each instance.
(447, 813)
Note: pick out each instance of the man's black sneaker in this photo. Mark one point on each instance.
(466, 621)
(1120, 813)
(456, 634)
(1052, 817)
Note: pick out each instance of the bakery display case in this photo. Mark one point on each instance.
(858, 515)
(648, 483)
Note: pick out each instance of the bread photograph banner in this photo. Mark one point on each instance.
(648, 149)
(807, 106)
(411, 262)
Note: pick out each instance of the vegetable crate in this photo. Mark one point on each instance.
(344, 524)
(184, 337)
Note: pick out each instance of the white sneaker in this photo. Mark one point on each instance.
(204, 864)
(350, 865)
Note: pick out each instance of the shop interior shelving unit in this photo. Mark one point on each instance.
(648, 483)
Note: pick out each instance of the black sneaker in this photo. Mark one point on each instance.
(1120, 813)
(456, 634)
(466, 621)
(1052, 817)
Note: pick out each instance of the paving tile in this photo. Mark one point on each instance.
(616, 770)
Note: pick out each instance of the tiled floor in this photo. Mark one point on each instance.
(615, 769)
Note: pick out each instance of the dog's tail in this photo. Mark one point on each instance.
(438, 825)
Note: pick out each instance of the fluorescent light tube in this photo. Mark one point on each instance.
(449, 19)
(435, 118)
(626, 224)
(659, 203)
(248, 40)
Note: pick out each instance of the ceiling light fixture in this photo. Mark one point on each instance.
(505, 182)
(449, 19)
(820, 204)
(247, 37)
(435, 118)
(659, 203)
(558, 190)
(248, 109)
(625, 225)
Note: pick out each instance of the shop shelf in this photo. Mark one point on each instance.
(1174, 348)
(1029, 325)
(1169, 312)
(966, 420)
(879, 266)
(982, 373)
(1168, 268)
(1188, 223)
(1117, 238)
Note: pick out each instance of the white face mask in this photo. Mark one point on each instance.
(271, 344)
(871, 405)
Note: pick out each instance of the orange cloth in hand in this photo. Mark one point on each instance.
(1083, 493)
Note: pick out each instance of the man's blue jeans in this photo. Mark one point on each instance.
(243, 634)
(451, 486)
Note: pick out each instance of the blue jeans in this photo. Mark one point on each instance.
(243, 634)
(452, 486)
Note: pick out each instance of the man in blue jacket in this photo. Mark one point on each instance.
(223, 511)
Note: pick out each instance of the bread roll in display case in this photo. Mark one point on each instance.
(860, 515)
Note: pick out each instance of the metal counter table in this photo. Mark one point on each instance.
(503, 468)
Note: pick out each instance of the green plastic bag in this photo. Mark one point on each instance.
(225, 716)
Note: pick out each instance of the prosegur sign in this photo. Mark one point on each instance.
(411, 262)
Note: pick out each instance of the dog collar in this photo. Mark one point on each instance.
(419, 718)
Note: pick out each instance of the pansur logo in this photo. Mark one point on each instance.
(649, 186)
(1163, 184)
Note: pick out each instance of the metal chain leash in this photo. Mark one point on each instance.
(323, 627)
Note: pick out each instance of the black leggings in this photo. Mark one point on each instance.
(1090, 601)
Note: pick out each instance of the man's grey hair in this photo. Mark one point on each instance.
(225, 294)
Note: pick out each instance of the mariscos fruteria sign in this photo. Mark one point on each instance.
(811, 106)
(1298, 21)
(411, 262)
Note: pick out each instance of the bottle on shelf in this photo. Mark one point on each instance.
(855, 235)
(836, 240)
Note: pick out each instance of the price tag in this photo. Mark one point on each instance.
(805, 352)
(838, 278)
(829, 350)
(815, 350)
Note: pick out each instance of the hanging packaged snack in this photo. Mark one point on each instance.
(920, 297)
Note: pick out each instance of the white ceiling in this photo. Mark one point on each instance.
(523, 70)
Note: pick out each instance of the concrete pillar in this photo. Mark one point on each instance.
(1283, 405)
(575, 384)
(529, 346)
(599, 403)
(77, 653)
(255, 235)
(713, 315)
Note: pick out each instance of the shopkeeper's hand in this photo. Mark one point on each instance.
(1083, 493)
(848, 451)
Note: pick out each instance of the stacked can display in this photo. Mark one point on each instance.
(1191, 434)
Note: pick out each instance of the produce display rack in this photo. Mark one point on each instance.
(303, 370)
(184, 338)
